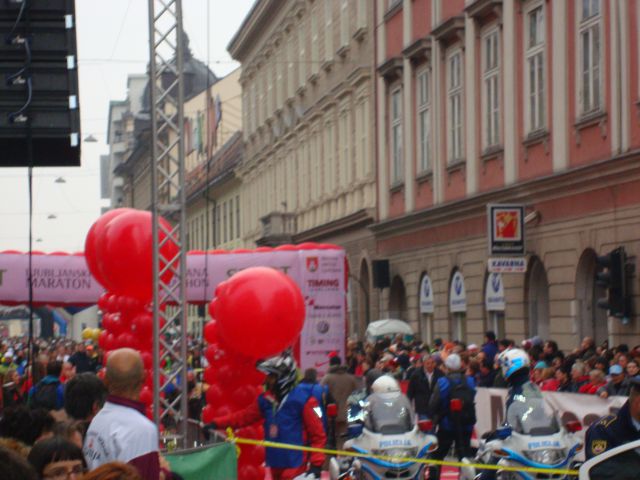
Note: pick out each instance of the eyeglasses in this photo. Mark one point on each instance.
(64, 473)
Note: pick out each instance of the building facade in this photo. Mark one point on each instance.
(506, 101)
(308, 102)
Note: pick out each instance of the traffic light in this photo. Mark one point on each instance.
(614, 279)
(39, 97)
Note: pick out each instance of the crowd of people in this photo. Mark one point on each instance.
(56, 410)
(589, 369)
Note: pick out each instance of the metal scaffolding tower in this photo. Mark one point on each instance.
(168, 200)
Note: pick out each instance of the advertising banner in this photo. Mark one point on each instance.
(457, 294)
(494, 293)
(490, 411)
(426, 295)
(320, 274)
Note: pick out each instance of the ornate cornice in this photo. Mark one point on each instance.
(359, 219)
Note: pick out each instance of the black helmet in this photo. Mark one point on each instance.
(284, 368)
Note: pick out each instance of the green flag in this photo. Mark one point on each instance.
(217, 462)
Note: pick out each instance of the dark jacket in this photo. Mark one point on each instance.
(610, 432)
(490, 350)
(82, 362)
(420, 389)
(439, 402)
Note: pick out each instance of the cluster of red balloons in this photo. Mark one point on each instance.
(128, 323)
(257, 313)
(118, 251)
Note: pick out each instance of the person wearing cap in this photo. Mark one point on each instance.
(618, 384)
(452, 429)
(618, 428)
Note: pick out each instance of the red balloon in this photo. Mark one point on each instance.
(224, 375)
(248, 472)
(260, 312)
(113, 323)
(214, 395)
(91, 254)
(242, 397)
(147, 360)
(125, 254)
(212, 309)
(211, 353)
(126, 340)
(102, 301)
(208, 414)
(209, 376)
(103, 339)
(142, 324)
(222, 410)
(146, 396)
(129, 304)
(211, 332)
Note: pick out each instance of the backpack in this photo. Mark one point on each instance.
(465, 395)
(47, 396)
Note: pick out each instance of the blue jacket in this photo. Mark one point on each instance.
(439, 402)
(59, 393)
(490, 350)
(610, 432)
(288, 421)
(320, 393)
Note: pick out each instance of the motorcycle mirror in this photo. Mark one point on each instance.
(425, 425)
(332, 410)
(573, 426)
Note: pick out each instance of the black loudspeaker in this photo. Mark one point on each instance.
(39, 98)
(381, 277)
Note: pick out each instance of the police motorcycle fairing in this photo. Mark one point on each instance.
(384, 424)
(531, 437)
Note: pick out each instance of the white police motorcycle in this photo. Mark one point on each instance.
(384, 426)
(532, 437)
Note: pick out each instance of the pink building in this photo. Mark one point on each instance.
(527, 102)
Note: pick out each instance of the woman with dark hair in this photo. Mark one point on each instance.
(57, 458)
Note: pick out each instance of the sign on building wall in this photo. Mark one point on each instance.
(507, 265)
(506, 229)
(457, 294)
(494, 300)
(426, 295)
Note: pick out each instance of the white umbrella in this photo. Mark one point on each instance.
(389, 326)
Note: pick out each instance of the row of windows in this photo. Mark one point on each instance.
(216, 227)
(300, 55)
(535, 90)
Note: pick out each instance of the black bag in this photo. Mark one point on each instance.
(45, 396)
(463, 394)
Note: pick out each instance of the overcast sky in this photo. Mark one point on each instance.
(112, 43)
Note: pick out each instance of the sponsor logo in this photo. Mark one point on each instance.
(312, 264)
(457, 285)
(495, 282)
(322, 327)
(324, 283)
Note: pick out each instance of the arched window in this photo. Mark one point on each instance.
(537, 291)
(591, 320)
(397, 299)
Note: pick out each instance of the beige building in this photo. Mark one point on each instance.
(307, 91)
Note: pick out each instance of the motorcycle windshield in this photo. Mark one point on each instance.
(388, 414)
(527, 414)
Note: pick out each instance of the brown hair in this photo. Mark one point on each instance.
(113, 471)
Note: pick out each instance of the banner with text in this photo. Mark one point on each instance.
(320, 274)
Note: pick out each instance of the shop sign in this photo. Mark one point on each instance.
(507, 265)
(506, 229)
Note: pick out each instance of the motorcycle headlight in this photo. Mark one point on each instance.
(546, 457)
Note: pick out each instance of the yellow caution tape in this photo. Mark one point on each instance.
(345, 453)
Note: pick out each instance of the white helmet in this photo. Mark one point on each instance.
(512, 360)
(385, 384)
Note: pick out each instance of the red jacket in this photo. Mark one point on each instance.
(591, 388)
